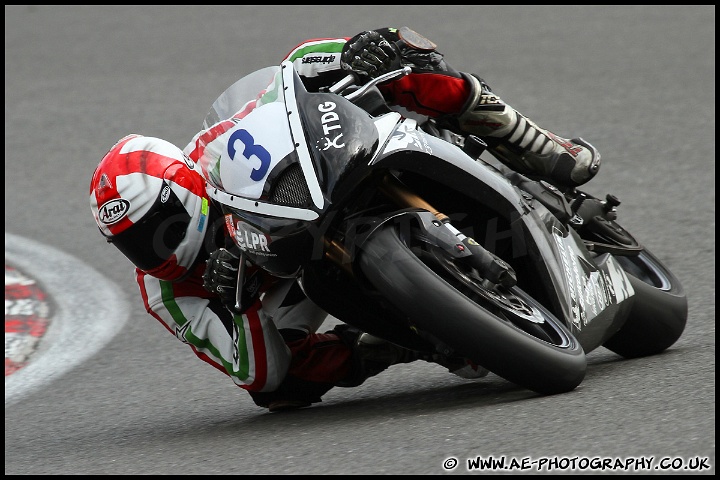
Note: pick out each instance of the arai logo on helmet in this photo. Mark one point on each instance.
(113, 211)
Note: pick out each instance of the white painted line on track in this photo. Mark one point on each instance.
(88, 313)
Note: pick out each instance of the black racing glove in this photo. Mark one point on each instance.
(220, 277)
(369, 55)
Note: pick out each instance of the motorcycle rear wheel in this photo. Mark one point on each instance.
(503, 330)
(659, 311)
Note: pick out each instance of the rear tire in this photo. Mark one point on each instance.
(659, 312)
(503, 330)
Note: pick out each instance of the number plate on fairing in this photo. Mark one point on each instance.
(254, 146)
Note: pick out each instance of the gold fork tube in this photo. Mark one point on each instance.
(398, 192)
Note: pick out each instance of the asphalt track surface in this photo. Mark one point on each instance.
(638, 82)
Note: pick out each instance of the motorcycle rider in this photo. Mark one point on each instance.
(149, 200)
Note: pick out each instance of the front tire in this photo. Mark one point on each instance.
(503, 330)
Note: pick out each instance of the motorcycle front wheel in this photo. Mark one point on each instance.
(502, 329)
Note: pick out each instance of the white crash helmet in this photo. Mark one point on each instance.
(149, 200)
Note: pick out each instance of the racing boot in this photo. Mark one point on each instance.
(523, 146)
(371, 355)
(378, 354)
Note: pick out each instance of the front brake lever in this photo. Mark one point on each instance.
(350, 79)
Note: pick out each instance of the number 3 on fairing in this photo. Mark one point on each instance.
(251, 149)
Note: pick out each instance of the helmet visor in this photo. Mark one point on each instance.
(151, 241)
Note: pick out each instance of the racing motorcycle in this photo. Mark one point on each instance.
(411, 233)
